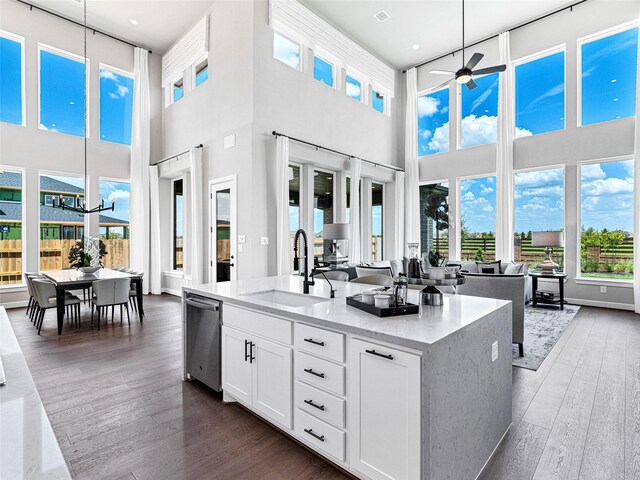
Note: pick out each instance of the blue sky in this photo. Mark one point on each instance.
(323, 71)
(10, 81)
(286, 51)
(433, 122)
(539, 200)
(377, 101)
(116, 105)
(477, 204)
(479, 112)
(202, 77)
(354, 88)
(119, 192)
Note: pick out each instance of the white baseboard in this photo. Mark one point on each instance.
(172, 291)
(19, 304)
(598, 303)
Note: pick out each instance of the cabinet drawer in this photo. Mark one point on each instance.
(320, 434)
(319, 372)
(320, 342)
(320, 404)
(264, 325)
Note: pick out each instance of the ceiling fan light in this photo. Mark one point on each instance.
(462, 79)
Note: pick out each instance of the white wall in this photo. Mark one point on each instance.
(568, 147)
(38, 150)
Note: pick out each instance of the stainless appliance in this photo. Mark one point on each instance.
(203, 340)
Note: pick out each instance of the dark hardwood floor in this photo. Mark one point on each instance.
(120, 410)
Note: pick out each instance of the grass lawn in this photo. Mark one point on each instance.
(609, 276)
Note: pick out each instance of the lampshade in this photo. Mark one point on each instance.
(336, 231)
(547, 239)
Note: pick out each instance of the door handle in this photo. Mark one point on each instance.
(251, 357)
(246, 356)
(310, 370)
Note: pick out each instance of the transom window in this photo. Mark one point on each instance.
(11, 79)
(354, 88)
(323, 71)
(178, 90)
(377, 101)
(433, 122)
(201, 72)
(286, 51)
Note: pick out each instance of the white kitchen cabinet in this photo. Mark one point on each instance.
(258, 372)
(384, 411)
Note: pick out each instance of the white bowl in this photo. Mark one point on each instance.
(382, 301)
(367, 297)
(88, 269)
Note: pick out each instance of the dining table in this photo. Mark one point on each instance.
(72, 279)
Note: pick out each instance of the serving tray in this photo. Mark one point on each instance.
(408, 309)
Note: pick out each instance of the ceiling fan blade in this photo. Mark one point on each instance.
(442, 72)
(474, 60)
(488, 70)
(471, 84)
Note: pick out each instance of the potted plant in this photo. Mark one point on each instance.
(82, 260)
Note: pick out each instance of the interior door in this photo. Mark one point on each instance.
(223, 236)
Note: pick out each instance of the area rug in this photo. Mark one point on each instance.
(543, 326)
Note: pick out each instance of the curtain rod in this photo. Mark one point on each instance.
(516, 27)
(304, 142)
(94, 30)
(174, 156)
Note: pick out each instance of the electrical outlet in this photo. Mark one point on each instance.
(240, 246)
(603, 289)
(494, 351)
(264, 240)
(242, 238)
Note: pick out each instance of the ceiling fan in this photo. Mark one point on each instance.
(465, 75)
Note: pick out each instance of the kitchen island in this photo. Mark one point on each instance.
(383, 398)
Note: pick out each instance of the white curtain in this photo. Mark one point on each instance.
(504, 156)
(155, 267)
(355, 248)
(412, 179)
(399, 215)
(636, 198)
(197, 216)
(140, 150)
(283, 235)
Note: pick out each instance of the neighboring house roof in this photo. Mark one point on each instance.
(10, 179)
(11, 212)
(47, 184)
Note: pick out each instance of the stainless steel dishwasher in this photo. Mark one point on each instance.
(203, 340)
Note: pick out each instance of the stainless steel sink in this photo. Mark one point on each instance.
(290, 299)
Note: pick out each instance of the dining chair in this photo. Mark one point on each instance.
(45, 293)
(110, 292)
(133, 292)
(31, 307)
(332, 275)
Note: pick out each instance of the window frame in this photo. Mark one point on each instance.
(385, 97)
(382, 217)
(430, 91)
(451, 228)
(302, 55)
(19, 39)
(87, 73)
(194, 70)
(593, 37)
(579, 279)
(173, 268)
(122, 73)
(532, 58)
(17, 287)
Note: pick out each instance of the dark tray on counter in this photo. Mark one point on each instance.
(408, 309)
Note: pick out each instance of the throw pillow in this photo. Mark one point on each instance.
(514, 268)
(469, 267)
(489, 267)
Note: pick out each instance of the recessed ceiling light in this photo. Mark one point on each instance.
(133, 21)
(382, 16)
(415, 46)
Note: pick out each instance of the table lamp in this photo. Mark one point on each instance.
(548, 240)
(335, 232)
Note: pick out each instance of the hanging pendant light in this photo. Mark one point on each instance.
(80, 205)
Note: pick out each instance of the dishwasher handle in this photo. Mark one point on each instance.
(201, 302)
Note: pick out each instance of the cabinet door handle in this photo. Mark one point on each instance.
(251, 357)
(310, 370)
(315, 342)
(373, 352)
(315, 435)
(315, 405)
(246, 355)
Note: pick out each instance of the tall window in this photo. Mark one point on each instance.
(376, 221)
(178, 225)
(606, 214)
(114, 226)
(116, 105)
(479, 112)
(433, 122)
(322, 211)
(434, 219)
(608, 77)
(323, 71)
(354, 88)
(11, 79)
(539, 207)
(286, 51)
(62, 78)
(294, 202)
(478, 218)
(60, 230)
(377, 101)
(201, 72)
(540, 95)
(11, 248)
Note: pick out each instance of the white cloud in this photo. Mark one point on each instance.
(286, 51)
(592, 172)
(440, 139)
(120, 92)
(478, 130)
(608, 186)
(427, 106)
(119, 194)
(523, 132)
(535, 207)
(484, 190)
(108, 75)
(425, 133)
(552, 92)
(44, 127)
(469, 196)
(353, 90)
(628, 166)
(550, 191)
(538, 177)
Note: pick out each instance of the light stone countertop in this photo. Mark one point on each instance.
(457, 313)
(28, 446)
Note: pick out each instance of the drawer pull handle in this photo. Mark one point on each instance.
(373, 352)
(315, 342)
(315, 435)
(246, 354)
(310, 370)
(310, 402)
